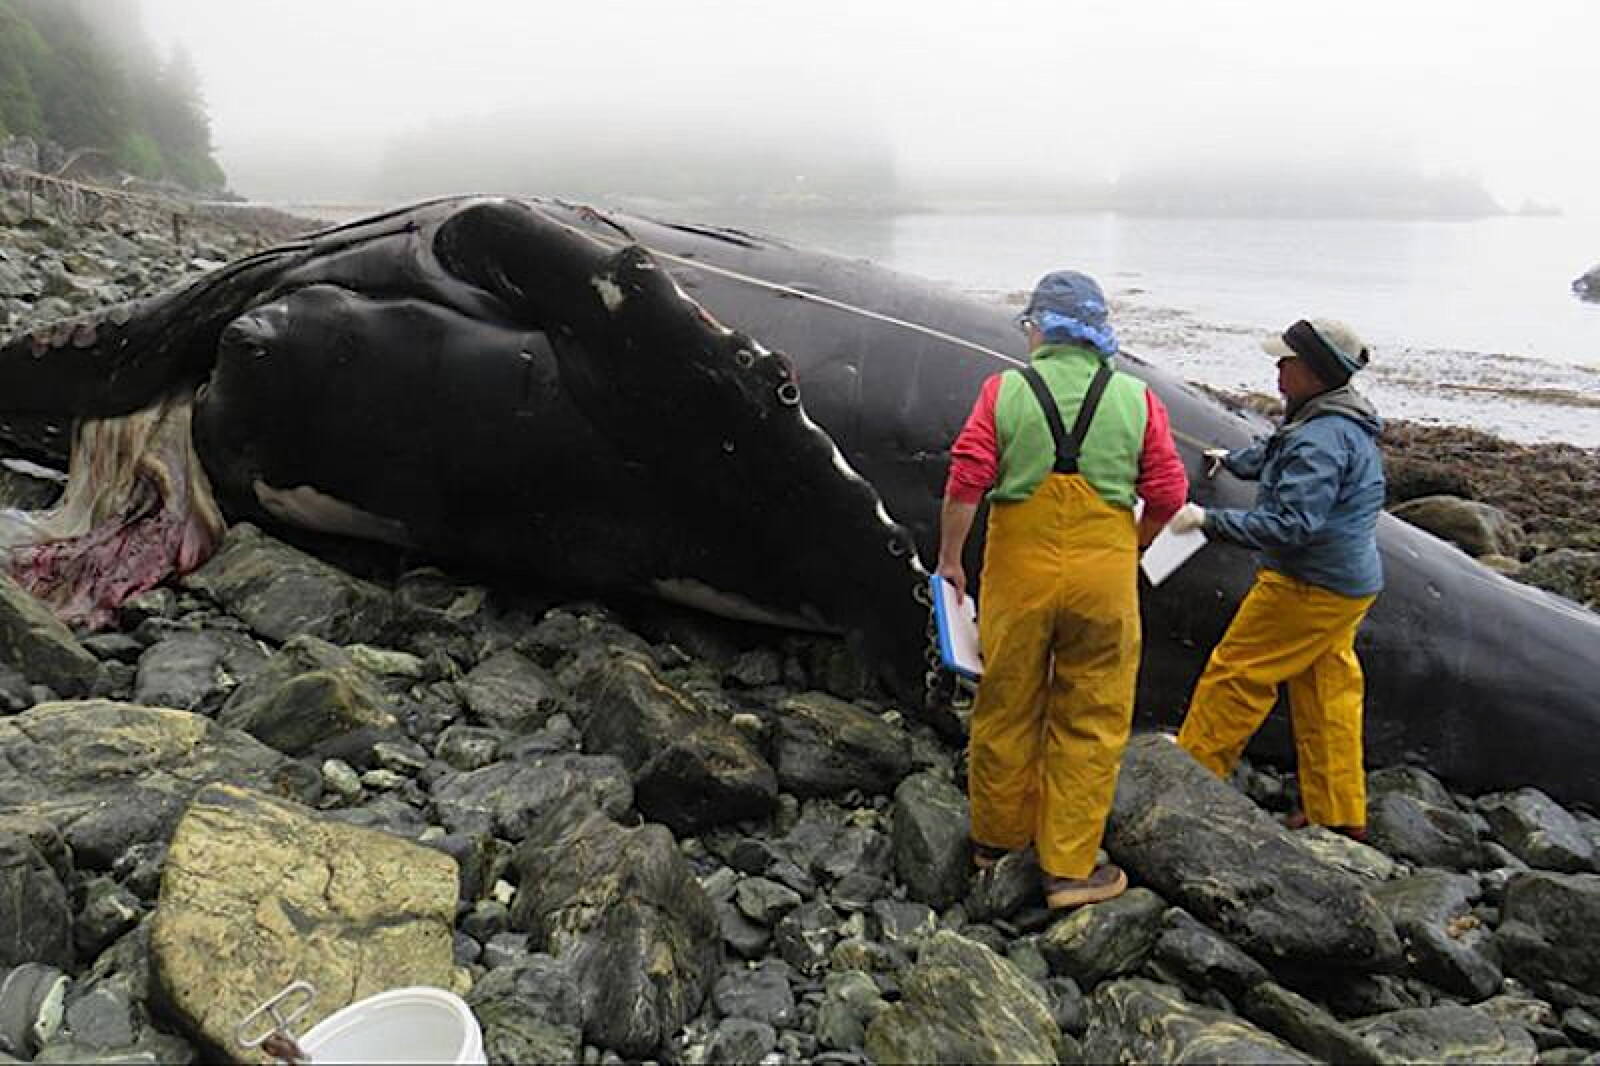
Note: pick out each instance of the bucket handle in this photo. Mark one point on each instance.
(282, 1011)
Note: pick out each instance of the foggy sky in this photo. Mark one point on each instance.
(1049, 88)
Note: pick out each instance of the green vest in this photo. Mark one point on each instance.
(1109, 459)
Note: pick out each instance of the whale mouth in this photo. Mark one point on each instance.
(137, 508)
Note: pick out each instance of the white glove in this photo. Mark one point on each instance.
(1190, 516)
(1214, 457)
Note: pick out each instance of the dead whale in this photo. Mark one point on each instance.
(720, 418)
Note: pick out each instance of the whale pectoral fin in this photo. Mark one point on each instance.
(765, 504)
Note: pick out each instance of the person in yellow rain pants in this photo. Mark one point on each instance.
(1315, 523)
(1058, 620)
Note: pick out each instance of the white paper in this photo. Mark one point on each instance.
(1168, 552)
(958, 629)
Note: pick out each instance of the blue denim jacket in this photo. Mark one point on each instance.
(1316, 512)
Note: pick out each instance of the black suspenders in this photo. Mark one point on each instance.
(1067, 448)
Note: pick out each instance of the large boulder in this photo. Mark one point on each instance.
(1539, 832)
(1446, 1034)
(1476, 528)
(691, 769)
(111, 775)
(1205, 846)
(35, 644)
(196, 670)
(1091, 944)
(1411, 816)
(281, 592)
(622, 911)
(930, 827)
(1445, 942)
(511, 798)
(963, 1003)
(826, 746)
(35, 910)
(259, 892)
(1549, 934)
(1136, 1020)
(309, 692)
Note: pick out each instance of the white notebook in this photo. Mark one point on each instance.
(958, 629)
(1168, 552)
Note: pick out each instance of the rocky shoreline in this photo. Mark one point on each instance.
(625, 832)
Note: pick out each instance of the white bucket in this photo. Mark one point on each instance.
(402, 1025)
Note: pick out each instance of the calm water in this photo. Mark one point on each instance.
(1490, 285)
(1471, 322)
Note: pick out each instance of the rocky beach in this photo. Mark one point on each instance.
(625, 832)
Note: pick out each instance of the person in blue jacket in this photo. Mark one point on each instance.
(1315, 524)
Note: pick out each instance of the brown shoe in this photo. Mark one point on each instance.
(1105, 882)
(1298, 820)
(985, 857)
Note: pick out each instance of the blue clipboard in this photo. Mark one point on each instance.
(957, 623)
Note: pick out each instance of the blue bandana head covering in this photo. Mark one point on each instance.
(1069, 308)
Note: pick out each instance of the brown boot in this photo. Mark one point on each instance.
(1105, 882)
(1298, 820)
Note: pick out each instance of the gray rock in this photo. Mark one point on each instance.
(1476, 528)
(747, 939)
(760, 993)
(1135, 1020)
(258, 889)
(1305, 1025)
(1446, 1034)
(962, 1003)
(851, 1000)
(468, 748)
(35, 644)
(1005, 888)
(1538, 1018)
(340, 778)
(741, 1040)
(765, 902)
(1549, 930)
(856, 850)
(1538, 831)
(196, 671)
(102, 1018)
(806, 936)
(156, 1049)
(308, 693)
(531, 1011)
(930, 829)
(1445, 942)
(109, 910)
(1200, 959)
(35, 912)
(508, 691)
(1200, 843)
(1412, 817)
(109, 775)
(691, 769)
(509, 799)
(32, 999)
(622, 910)
(907, 924)
(1109, 939)
(826, 747)
(281, 592)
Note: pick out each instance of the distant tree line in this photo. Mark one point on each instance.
(83, 74)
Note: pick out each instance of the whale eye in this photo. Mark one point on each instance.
(788, 394)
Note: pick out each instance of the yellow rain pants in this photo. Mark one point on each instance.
(1059, 627)
(1289, 631)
